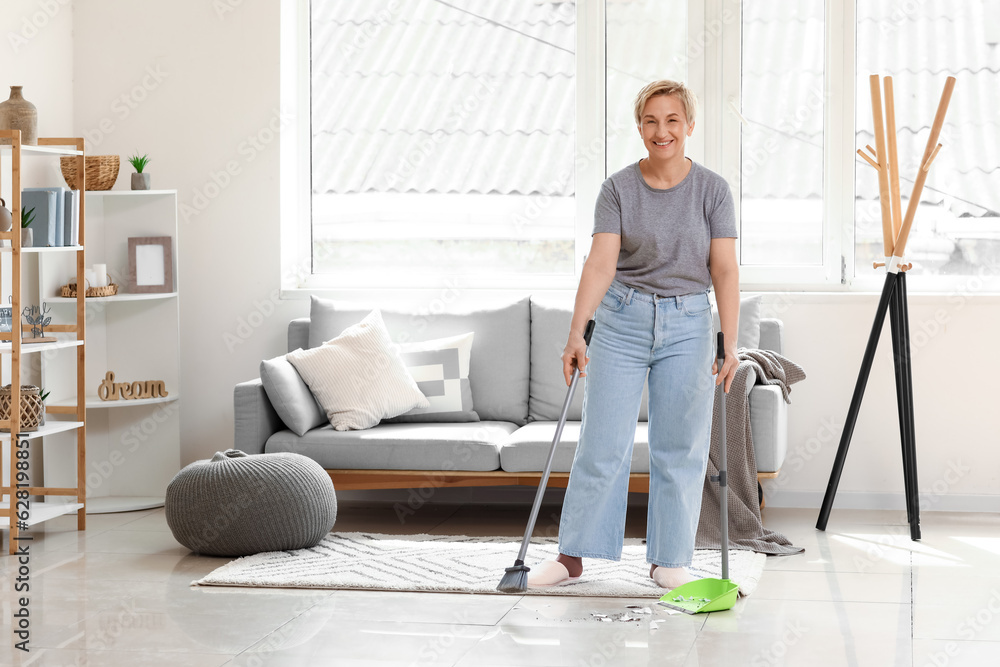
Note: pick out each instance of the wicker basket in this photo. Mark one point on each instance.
(31, 407)
(102, 171)
(69, 291)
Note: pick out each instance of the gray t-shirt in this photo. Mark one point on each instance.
(666, 234)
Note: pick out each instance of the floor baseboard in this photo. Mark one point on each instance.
(929, 502)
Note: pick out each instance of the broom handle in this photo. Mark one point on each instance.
(723, 483)
(552, 453)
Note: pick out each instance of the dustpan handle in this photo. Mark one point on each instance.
(720, 356)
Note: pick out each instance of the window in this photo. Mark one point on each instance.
(782, 161)
(646, 41)
(468, 139)
(442, 140)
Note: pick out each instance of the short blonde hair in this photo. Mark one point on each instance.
(667, 87)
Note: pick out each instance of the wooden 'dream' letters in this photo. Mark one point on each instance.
(130, 391)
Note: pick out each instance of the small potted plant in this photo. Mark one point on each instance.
(27, 217)
(140, 179)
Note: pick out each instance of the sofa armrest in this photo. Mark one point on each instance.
(772, 335)
(255, 418)
(751, 380)
(769, 427)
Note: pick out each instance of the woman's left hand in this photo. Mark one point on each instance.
(728, 370)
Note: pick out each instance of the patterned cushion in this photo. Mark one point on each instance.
(440, 368)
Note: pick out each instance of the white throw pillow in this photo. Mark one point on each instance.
(358, 377)
(440, 368)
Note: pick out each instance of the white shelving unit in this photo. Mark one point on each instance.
(133, 446)
(68, 422)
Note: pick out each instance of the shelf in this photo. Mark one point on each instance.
(111, 504)
(41, 150)
(116, 297)
(67, 248)
(40, 511)
(49, 428)
(93, 402)
(129, 193)
(28, 348)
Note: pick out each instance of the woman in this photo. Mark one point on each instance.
(664, 234)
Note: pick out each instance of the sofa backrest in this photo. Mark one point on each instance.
(510, 380)
(498, 365)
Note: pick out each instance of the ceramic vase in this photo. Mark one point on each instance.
(26, 237)
(6, 217)
(18, 113)
(140, 181)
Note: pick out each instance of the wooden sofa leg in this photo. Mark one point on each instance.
(760, 489)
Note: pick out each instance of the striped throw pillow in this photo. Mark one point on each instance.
(358, 377)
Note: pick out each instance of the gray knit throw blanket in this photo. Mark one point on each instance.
(745, 528)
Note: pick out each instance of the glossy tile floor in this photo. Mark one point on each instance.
(861, 594)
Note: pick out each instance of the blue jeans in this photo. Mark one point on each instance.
(671, 337)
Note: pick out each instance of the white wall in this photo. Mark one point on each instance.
(218, 85)
(188, 86)
(36, 51)
(952, 338)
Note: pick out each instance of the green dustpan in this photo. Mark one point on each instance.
(703, 595)
(696, 597)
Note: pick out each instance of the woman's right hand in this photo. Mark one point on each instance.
(574, 355)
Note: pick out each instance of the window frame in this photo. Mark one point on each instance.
(714, 75)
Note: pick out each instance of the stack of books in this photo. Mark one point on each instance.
(57, 216)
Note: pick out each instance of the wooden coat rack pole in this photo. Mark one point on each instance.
(895, 232)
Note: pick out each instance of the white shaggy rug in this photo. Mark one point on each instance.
(450, 563)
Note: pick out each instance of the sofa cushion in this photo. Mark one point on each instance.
(550, 320)
(453, 446)
(358, 376)
(290, 396)
(498, 367)
(748, 332)
(527, 448)
(440, 368)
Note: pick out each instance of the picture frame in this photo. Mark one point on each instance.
(150, 264)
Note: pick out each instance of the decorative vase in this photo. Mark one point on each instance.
(140, 181)
(18, 113)
(26, 237)
(6, 217)
(31, 407)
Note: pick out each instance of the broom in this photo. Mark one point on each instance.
(516, 578)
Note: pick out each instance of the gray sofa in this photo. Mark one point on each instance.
(515, 374)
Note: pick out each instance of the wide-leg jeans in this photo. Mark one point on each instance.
(671, 339)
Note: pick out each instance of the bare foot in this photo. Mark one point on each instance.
(573, 564)
(670, 577)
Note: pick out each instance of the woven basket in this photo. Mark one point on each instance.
(102, 171)
(31, 407)
(69, 291)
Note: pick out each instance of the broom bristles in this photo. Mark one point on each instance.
(516, 578)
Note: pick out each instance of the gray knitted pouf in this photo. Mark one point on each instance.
(237, 505)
